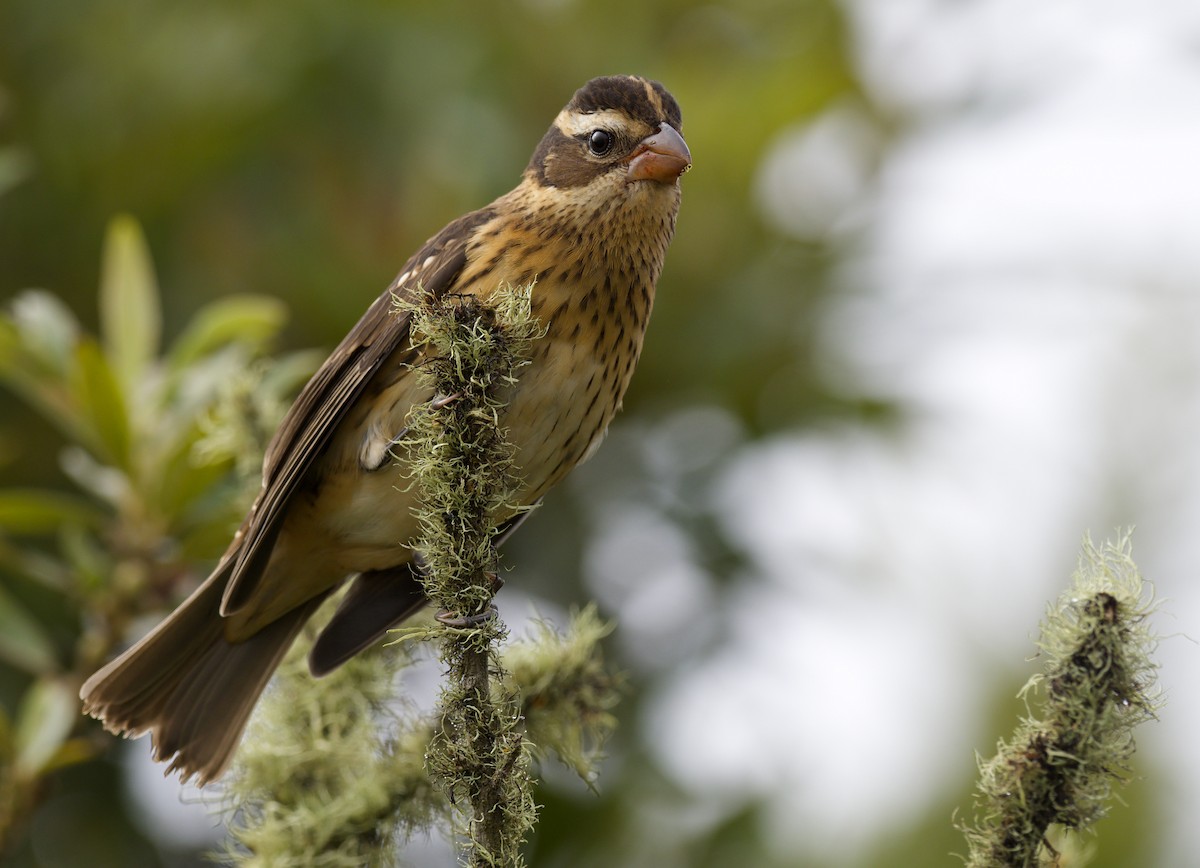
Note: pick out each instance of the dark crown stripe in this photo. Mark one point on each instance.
(644, 100)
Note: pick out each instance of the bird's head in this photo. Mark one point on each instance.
(616, 131)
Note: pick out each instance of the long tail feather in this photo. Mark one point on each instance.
(189, 687)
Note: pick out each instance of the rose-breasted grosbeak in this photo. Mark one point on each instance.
(589, 223)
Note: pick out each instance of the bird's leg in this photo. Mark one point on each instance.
(465, 622)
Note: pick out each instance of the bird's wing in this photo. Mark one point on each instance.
(327, 397)
(377, 601)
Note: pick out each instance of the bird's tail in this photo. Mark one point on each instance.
(188, 686)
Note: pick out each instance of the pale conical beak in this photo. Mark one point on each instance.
(662, 157)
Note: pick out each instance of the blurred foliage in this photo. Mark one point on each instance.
(156, 488)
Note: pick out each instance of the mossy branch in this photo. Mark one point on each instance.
(321, 781)
(567, 692)
(318, 781)
(1059, 768)
(463, 467)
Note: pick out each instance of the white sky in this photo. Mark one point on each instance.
(1024, 274)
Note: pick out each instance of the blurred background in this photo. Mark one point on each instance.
(929, 317)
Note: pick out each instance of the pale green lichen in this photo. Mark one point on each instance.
(328, 775)
(454, 447)
(568, 691)
(318, 781)
(462, 465)
(1056, 775)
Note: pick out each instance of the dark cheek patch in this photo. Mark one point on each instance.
(559, 162)
(572, 170)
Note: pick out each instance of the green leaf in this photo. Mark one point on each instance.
(102, 402)
(36, 345)
(72, 752)
(102, 481)
(249, 319)
(28, 511)
(23, 642)
(37, 566)
(43, 327)
(90, 564)
(182, 479)
(47, 714)
(130, 313)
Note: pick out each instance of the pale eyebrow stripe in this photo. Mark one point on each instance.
(574, 123)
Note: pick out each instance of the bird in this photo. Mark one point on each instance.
(588, 227)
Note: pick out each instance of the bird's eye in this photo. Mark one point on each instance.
(600, 142)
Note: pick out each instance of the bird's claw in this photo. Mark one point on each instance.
(440, 401)
(466, 622)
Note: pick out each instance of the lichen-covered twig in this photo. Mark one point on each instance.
(567, 692)
(327, 776)
(1060, 766)
(463, 468)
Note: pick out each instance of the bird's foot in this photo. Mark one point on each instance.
(466, 622)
